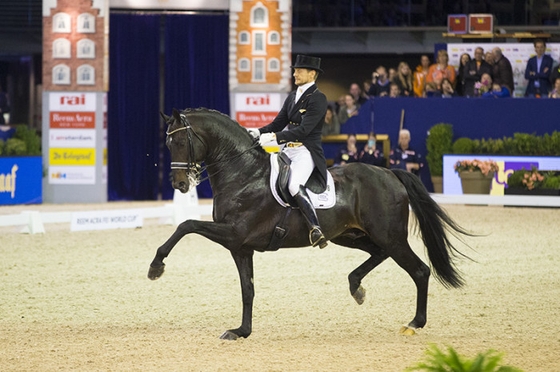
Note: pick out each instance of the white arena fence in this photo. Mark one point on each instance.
(187, 207)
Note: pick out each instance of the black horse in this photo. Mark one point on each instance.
(371, 212)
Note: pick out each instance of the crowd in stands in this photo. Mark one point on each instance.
(485, 75)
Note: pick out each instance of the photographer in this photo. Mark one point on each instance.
(380, 83)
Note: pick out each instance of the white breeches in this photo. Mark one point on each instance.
(302, 166)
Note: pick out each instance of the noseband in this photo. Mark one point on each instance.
(192, 168)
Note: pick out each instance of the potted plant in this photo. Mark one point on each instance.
(476, 175)
(533, 182)
(438, 143)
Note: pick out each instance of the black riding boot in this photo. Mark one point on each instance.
(305, 205)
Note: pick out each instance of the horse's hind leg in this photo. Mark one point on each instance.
(420, 273)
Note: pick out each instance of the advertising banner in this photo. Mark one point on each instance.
(254, 110)
(21, 180)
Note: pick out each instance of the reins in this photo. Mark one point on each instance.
(193, 167)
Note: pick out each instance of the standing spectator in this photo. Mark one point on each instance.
(502, 72)
(4, 105)
(379, 83)
(356, 92)
(405, 157)
(441, 70)
(460, 86)
(538, 71)
(348, 153)
(489, 58)
(555, 93)
(371, 155)
(474, 70)
(349, 109)
(404, 80)
(331, 124)
(420, 74)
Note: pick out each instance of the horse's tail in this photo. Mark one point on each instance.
(434, 224)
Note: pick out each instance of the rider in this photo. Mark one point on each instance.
(302, 115)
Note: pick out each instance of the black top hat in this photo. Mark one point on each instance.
(312, 63)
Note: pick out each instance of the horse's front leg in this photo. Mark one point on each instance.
(244, 263)
(217, 232)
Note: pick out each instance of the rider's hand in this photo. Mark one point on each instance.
(254, 132)
(266, 138)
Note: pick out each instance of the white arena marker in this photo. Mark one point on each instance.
(109, 219)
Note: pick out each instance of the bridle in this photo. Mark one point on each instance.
(192, 168)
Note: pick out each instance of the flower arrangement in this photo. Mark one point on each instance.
(481, 87)
(484, 166)
(534, 179)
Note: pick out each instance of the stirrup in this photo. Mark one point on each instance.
(321, 241)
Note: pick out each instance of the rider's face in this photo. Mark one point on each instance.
(303, 76)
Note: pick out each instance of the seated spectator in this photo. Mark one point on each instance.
(349, 109)
(420, 74)
(498, 91)
(405, 157)
(348, 153)
(366, 87)
(440, 70)
(371, 155)
(447, 90)
(432, 91)
(356, 92)
(404, 80)
(394, 91)
(483, 86)
(331, 124)
(555, 93)
(379, 83)
(392, 73)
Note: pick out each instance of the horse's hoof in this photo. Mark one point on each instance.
(359, 295)
(229, 335)
(156, 272)
(407, 331)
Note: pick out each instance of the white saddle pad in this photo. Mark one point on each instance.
(325, 200)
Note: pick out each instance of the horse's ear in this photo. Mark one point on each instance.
(164, 117)
(176, 115)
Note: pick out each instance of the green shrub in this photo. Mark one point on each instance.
(551, 182)
(2, 147)
(437, 360)
(15, 147)
(30, 138)
(516, 178)
(463, 145)
(438, 143)
(519, 144)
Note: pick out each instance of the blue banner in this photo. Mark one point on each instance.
(21, 180)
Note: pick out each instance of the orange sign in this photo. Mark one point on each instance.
(72, 120)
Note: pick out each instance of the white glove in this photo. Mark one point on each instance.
(254, 132)
(266, 138)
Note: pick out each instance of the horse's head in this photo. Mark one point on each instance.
(187, 151)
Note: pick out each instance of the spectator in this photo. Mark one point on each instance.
(474, 70)
(447, 90)
(356, 92)
(348, 153)
(340, 102)
(394, 91)
(379, 83)
(497, 91)
(538, 71)
(432, 91)
(460, 86)
(404, 157)
(331, 124)
(404, 80)
(483, 86)
(366, 85)
(555, 74)
(555, 93)
(489, 58)
(392, 73)
(440, 70)
(4, 106)
(502, 72)
(419, 84)
(349, 109)
(370, 154)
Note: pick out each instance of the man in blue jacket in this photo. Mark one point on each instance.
(538, 71)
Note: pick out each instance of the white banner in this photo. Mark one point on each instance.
(71, 175)
(517, 53)
(103, 220)
(74, 138)
(72, 101)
